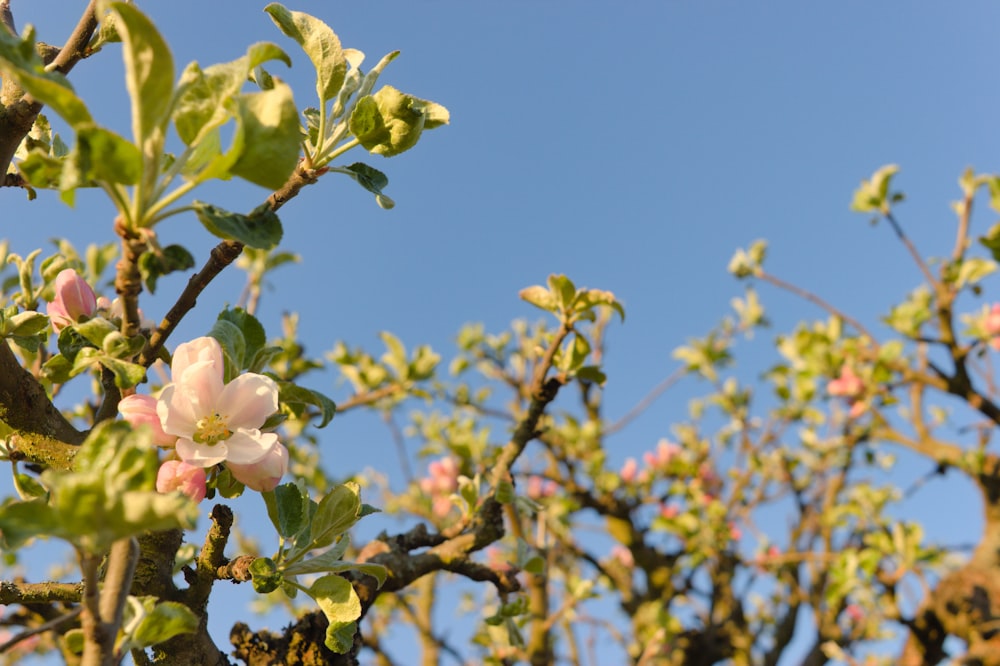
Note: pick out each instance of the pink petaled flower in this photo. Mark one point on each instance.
(669, 511)
(74, 299)
(855, 613)
(540, 487)
(848, 384)
(140, 410)
(178, 475)
(623, 555)
(440, 484)
(266, 473)
(629, 470)
(992, 323)
(665, 452)
(214, 421)
(497, 560)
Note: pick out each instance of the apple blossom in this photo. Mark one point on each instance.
(178, 475)
(214, 421)
(848, 384)
(266, 473)
(140, 410)
(440, 484)
(539, 487)
(74, 299)
(623, 555)
(628, 472)
(992, 323)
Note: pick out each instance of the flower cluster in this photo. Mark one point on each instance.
(441, 482)
(659, 459)
(208, 422)
(849, 385)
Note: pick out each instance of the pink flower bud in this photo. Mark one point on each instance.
(178, 475)
(992, 323)
(266, 473)
(140, 410)
(540, 487)
(669, 511)
(855, 613)
(74, 299)
(847, 384)
(623, 555)
(995, 343)
(629, 470)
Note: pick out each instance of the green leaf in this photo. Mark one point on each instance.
(167, 619)
(540, 297)
(336, 597)
(371, 179)
(294, 395)
(991, 241)
(250, 327)
(391, 122)
(336, 513)
(260, 229)
(107, 157)
(319, 42)
(265, 576)
(203, 103)
(287, 507)
(873, 194)
(154, 265)
(233, 345)
(25, 324)
(23, 65)
(149, 73)
(267, 136)
(126, 374)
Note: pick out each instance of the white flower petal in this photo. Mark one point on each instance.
(248, 400)
(200, 455)
(247, 446)
(203, 350)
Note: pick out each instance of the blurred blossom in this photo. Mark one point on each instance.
(623, 555)
(441, 482)
(539, 487)
(847, 384)
(992, 323)
(74, 299)
(629, 470)
(178, 475)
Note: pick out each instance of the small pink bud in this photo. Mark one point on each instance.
(178, 475)
(629, 470)
(140, 410)
(266, 473)
(995, 343)
(735, 533)
(74, 299)
(669, 511)
(623, 555)
(848, 384)
(540, 487)
(855, 613)
(992, 323)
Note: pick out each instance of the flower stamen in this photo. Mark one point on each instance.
(212, 429)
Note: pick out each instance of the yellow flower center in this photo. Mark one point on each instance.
(212, 429)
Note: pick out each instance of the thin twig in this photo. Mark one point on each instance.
(51, 625)
(646, 402)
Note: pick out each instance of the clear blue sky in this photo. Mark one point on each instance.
(632, 145)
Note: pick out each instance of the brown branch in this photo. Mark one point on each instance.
(13, 592)
(52, 625)
(19, 110)
(222, 255)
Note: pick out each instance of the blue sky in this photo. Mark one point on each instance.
(631, 145)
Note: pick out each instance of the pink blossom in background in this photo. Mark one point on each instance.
(266, 473)
(213, 421)
(623, 555)
(140, 410)
(539, 487)
(441, 482)
(992, 323)
(74, 299)
(178, 475)
(629, 470)
(669, 511)
(848, 384)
